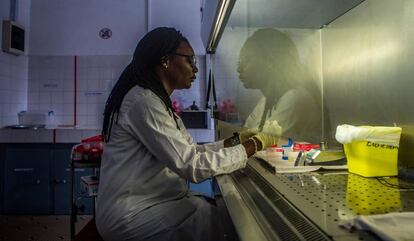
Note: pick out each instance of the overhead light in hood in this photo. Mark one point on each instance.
(218, 21)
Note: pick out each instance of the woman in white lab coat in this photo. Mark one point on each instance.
(149, 156)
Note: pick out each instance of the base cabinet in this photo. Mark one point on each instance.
(36, 179)
(27, 180)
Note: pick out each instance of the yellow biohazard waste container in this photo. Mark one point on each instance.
(370, 151)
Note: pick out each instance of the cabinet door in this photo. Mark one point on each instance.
(61, 182)
(27, 184)
(2, 157)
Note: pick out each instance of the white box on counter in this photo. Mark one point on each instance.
(36, 117)
(89, 185)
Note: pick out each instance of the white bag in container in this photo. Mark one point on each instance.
(382, 135)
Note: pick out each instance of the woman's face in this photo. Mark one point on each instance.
(253, 72)
(182, 67)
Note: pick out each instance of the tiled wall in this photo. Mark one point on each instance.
(52, 86)
(13, 87)
(52, 78)
(96, 77)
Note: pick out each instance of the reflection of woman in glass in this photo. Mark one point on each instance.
(269, 62)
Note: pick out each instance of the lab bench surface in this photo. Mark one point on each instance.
(307, 206)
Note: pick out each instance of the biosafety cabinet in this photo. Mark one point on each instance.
(312, 65)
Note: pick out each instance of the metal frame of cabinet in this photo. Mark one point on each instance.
(60, 171)
(73, 207)
(2, 172)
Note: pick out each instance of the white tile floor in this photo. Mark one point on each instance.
(38, 228)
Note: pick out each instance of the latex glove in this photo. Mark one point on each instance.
(244, 135)
(266, 139)
(272, 127)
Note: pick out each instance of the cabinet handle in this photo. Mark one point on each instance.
(24, 169)
(58, 181)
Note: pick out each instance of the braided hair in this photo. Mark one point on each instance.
(149, 52)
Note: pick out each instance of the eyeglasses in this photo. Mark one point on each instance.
(191, 58)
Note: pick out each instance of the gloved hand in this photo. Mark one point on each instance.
(244, 135)
(272, 127)
(267, 139)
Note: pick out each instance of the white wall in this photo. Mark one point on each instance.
(62, 27)
(59, 30)
(13, 69)
(71, 27)
(184, 15)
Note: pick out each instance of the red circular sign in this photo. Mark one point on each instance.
(105, 33)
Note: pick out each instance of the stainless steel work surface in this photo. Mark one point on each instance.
(246, 225)
(326, 199)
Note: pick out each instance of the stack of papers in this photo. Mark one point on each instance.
(284, 166)
(390, 226)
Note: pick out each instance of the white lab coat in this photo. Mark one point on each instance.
(296, 112)
(144, 172)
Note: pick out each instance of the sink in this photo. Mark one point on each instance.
(25, 127)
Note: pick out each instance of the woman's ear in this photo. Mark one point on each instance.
(165, 62)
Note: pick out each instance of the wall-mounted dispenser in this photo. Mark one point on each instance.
(13, 37)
